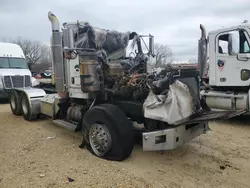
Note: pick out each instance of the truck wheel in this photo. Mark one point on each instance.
(15, 103)
(26, 109)
(108, 133)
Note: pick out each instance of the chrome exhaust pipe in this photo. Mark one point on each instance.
(54, 22)
(202, 52)
(203, 31)
(57, 54)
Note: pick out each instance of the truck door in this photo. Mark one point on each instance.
(232, 67)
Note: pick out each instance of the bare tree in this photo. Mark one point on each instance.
(46, 56)
(40, 67)
(192, 61)
(44, 62)
(163, 55)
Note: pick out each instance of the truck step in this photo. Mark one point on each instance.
(65, 124)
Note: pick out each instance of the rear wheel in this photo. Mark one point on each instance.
(108, 133)
(26, 109)
(15, 103)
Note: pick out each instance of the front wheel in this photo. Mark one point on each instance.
(108, 133)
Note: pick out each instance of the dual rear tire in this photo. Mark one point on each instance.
(15, 103)
(20, 105)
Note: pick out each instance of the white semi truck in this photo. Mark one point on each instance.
(228, 53)
(101, 93)
(14, 70)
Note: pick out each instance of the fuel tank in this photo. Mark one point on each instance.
(226, 100)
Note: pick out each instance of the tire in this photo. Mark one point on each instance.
(26, 109)
(15, 103)
(118, 132)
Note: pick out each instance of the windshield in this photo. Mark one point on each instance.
(13, 63)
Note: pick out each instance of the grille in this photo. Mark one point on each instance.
(16, 81)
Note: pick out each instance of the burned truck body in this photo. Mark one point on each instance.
(102, 92)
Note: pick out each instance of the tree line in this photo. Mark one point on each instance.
(38, 55)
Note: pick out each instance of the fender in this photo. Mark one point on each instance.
(34, 96)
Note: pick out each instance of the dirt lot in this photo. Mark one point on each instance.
(218, 159)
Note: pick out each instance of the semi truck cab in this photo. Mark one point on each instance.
(229, 56)
(228, 50)
(14, 70)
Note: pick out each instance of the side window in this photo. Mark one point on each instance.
(223, 44)
(244, 45)
(233, 43)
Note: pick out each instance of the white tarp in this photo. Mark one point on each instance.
(173, 108)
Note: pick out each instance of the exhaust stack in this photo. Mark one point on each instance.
(54, 22)
(57, 54)
(202, 52)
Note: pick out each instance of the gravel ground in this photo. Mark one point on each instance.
(29, 160)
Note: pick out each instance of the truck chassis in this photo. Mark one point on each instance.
(107, 127)
(31, 102)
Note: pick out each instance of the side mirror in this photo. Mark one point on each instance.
(243, 57)
(29, 66)
(233, 43)
(151, 45)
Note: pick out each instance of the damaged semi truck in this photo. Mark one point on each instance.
(101, 93)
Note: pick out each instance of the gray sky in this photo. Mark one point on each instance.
(175, 23)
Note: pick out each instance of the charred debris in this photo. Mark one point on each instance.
(125, 77)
